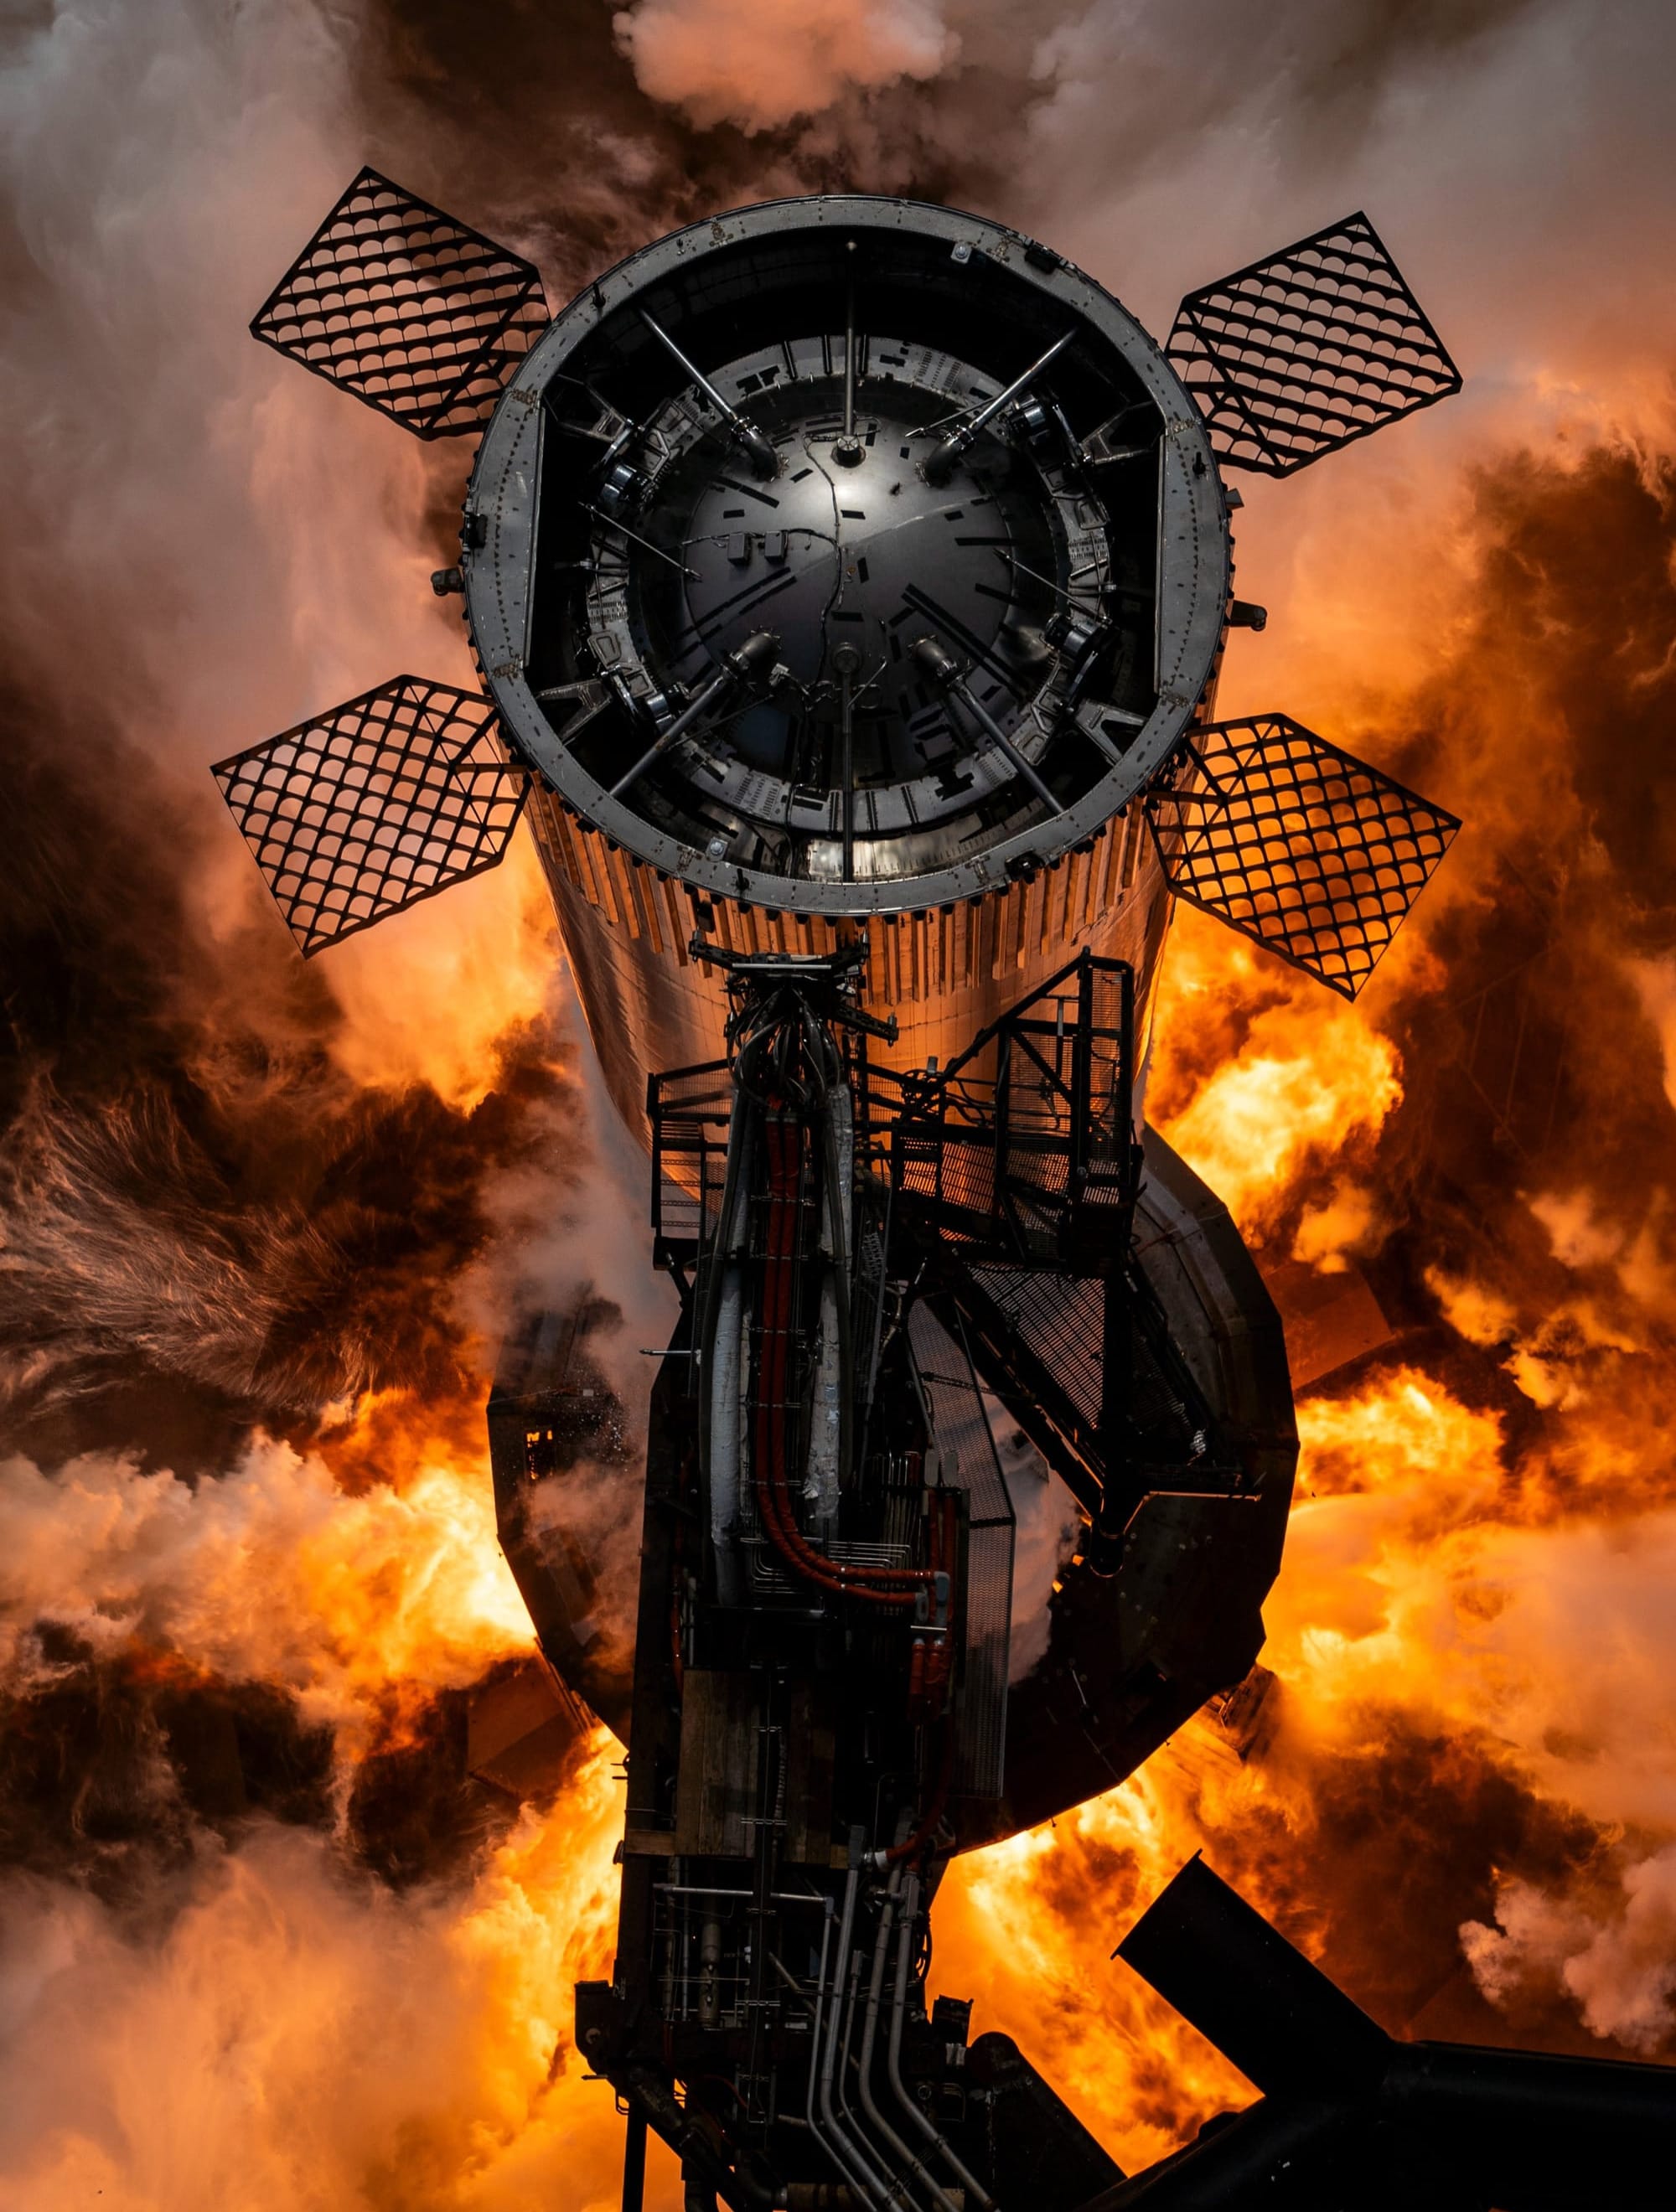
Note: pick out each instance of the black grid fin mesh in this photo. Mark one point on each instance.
(1298, 355)
(1297, 844)
(411, 311)
(375, 804)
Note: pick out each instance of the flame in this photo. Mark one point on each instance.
(1463, 1796)
(294, 2037)
(470, 978)
(360, 1605)
(1260, 1086)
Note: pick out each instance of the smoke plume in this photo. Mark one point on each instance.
(736, 61)
(263, 1222)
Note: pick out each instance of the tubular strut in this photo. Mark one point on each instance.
(921, 2172)
(975, 2192)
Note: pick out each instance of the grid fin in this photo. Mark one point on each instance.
(409, 310)
(1301, 354)
(375, 804)
(1297, 844)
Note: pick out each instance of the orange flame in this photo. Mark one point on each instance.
(1473, 1624)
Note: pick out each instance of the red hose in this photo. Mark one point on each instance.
(873, 1585)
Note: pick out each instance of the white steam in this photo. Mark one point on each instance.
(276, 2032)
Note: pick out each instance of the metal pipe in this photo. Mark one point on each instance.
(764, 461)
(724, 1436)
(849, 351)
(751, 658)
(921, 2172)
(846, 657)
(643, 2085)
(944, 669)
(896, 2193)
(829, 2145)
(847, 449)
(633, 2162)
(869, 2184)
(939, 463)
(698, 704)
(731, 1239)
(976, 2193)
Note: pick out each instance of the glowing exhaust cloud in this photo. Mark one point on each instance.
(236, 1190)
(739, 60)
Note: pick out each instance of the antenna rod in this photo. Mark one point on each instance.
(611, 523)
(764, 461)
(1006, 554)
(941, 462)
(849, 354)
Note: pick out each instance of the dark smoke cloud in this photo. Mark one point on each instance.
(1533, 1152)
(1548, 724)
(1520, 1235)
(231, 1194)
(228, 1191)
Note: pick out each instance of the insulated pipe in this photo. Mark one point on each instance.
(921, 2172)
(829, 1449)
(821, 1485)
(895, 2193)
(725, 1436)
(841, 1173)
(926, 1828)
(976, 2193)
(892, 1587)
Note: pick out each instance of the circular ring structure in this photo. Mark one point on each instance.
(846, 556)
